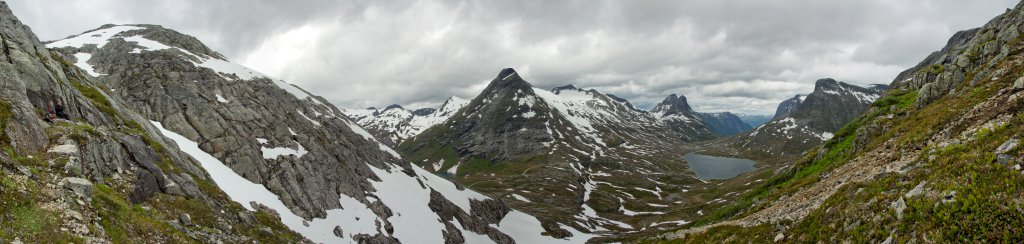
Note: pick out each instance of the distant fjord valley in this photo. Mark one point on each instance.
(137, 133)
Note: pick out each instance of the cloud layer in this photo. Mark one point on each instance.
(743, 56)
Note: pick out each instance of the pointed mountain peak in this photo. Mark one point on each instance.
(508, 74)
(508, 78)
(673, 104)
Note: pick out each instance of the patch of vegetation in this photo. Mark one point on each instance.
(6, 114)
(25, 219)
(936, 69)
(97, 98)
(127, 223)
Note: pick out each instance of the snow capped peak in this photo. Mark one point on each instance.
(397, 123)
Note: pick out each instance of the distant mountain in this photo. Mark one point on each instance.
(676, 112)
(395, 124)
(724, 123)
(754, 120)
(573, 157)
(803, 122)
(788, 106)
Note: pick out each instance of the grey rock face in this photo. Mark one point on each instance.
(79, 186)
(787, 106)
(811, 120)
(234, 115)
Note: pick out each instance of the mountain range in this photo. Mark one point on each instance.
(138, 133)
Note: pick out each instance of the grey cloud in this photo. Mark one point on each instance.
(743, 56)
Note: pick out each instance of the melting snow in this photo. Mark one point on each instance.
(221, 99)
(520, 197)
(403, 194)
(275, 152)
(362, 132)
(355, 218)
(82, 64)
(314, 122)
(98, 37)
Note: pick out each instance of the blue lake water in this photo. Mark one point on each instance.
(717, 168)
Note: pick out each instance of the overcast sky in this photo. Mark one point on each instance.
(742, 56)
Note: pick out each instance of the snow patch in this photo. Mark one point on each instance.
(82, 63)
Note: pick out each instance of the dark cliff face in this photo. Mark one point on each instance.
(787, 106)
(804, 122)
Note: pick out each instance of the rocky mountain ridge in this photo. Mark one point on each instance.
(324, 176)
(395, 124)
(575, 158)
(804, 122)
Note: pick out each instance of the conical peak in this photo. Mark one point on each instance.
(508, 78)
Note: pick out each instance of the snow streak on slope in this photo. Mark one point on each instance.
(356, 218)
(81, 58)
(579, 108)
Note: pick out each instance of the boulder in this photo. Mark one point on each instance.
(916, 191)
(79, 186)
(1019, 84)
(898, 206)
(1007, 146)
(185, 219)
(338, 232)
(67, 150)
